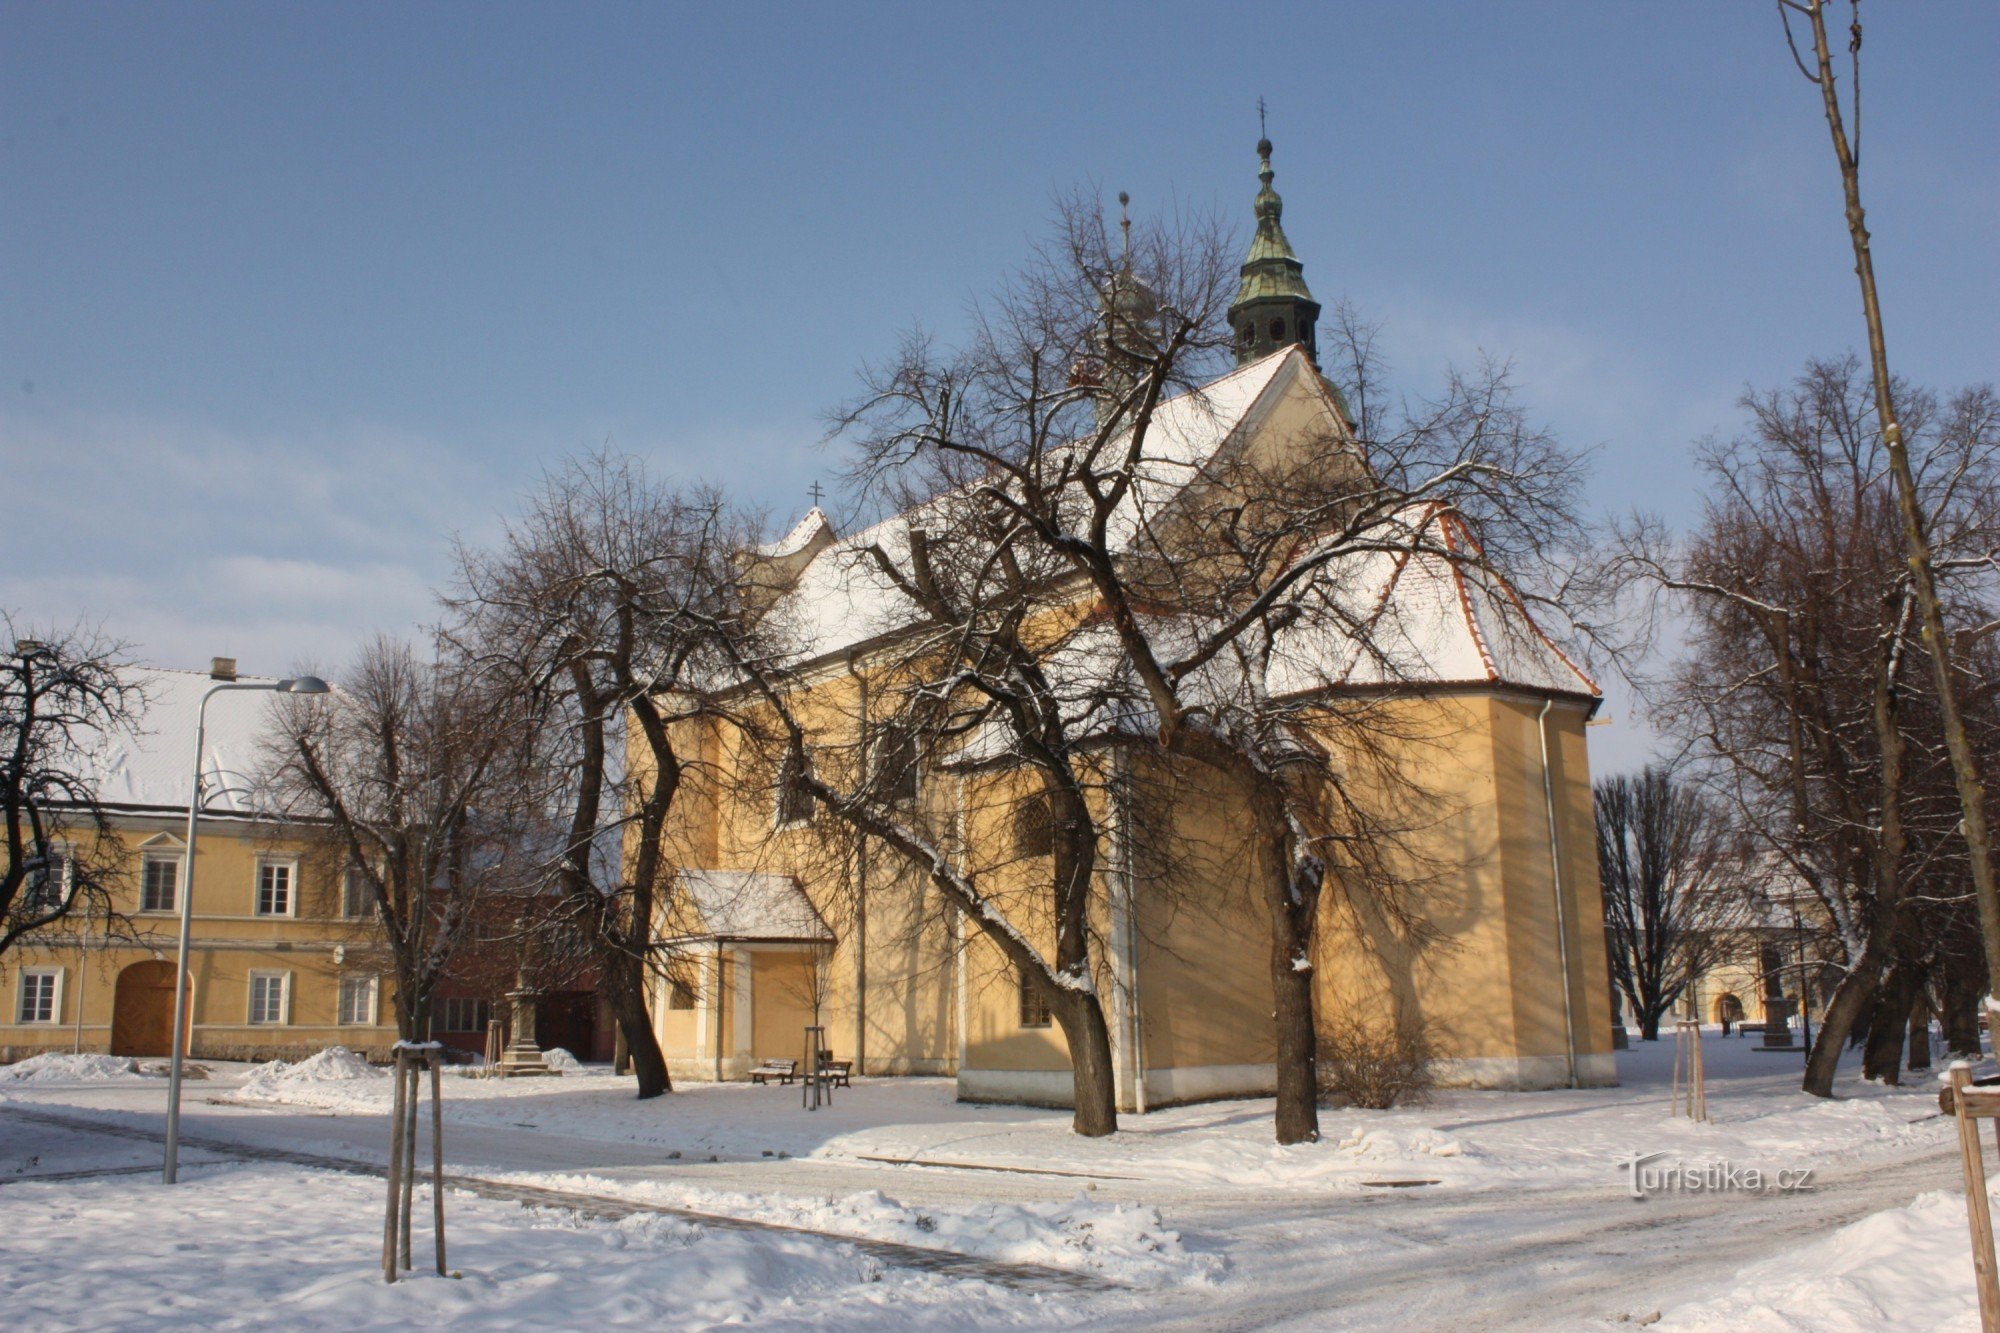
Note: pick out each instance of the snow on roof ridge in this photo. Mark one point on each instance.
(801, 533)
(194, 671)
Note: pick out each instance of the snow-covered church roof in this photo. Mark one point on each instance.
(1423, 615)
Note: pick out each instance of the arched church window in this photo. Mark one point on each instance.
(1277, 330)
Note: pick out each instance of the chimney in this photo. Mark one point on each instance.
(222, 668)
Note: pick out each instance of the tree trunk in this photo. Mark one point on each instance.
(1882, 1060)
(1081, 1018)
(1850, 1001)
(1290, 905)
(1920, 1031)
(1961, 1016)
(1649, 1024)
(1299, 1035)
(626, 992)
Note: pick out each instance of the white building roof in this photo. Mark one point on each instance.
(151, 767)
(843, 599)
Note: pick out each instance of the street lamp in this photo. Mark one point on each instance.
(224, 670)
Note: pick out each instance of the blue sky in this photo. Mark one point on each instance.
(289, 294)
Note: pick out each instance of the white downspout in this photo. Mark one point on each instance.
(1126, 930)
(1556, 876)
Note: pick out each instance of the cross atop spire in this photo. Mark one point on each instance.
(817, 492)
(1262, 131)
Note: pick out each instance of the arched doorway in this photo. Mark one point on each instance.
(143, 1015)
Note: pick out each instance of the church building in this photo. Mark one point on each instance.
(1508, 984)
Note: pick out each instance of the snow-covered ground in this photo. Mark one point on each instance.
(1462, 1140)
(1526, 1217)
(1905, 1267)
(266, 1246)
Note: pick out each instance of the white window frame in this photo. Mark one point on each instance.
(151, 859)
(356, 891)
(370, 1009)
(290, 866)
(36, 886)
(284, 980)
(55, 976)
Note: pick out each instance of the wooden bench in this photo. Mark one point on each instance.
(782, 1070)
(836, 1072)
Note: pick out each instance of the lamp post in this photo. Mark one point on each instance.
(224, 671)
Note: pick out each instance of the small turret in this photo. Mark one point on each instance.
(1273, 307)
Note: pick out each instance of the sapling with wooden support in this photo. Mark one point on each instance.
(1968, 1104)
(413, 1058)
(1690, 1073)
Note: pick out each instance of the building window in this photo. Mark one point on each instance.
(270, 997)
(1034, 1004)
(357, 895)
(40, 997)
(49, 884)
(896, 767)
(1034, 827)
(357, 999)
(459, 1013)
(794, 806)
(1277, 330)
(274, 888)
(159, 877)
(679, 995)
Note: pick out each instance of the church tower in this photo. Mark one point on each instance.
(1273, 307)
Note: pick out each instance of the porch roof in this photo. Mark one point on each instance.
(748, 905)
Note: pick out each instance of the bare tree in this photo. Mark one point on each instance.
(63, 696)
(1915, 519)
(411, 779)
(1800, 682)
(1676, 901)
(602, 604)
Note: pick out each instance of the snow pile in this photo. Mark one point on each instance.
(335, 1064)
(62, 1067)
(1125, 1243)
(1381, 1144)
(561, 1061)
(1906, 1268)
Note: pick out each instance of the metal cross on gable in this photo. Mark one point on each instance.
(817, 492)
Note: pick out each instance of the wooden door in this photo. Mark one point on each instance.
(143, 1014)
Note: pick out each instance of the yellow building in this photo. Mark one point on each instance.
(782, 921)
(284, 962)
(1512, 992)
